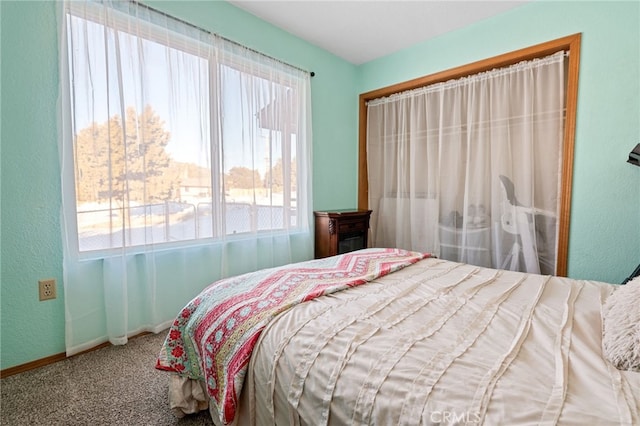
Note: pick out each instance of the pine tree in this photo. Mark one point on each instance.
(127, 163)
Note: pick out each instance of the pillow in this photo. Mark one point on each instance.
(621, 326)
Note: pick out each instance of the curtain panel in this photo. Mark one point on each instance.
(470, 169)
(185, 158)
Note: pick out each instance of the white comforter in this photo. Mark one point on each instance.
(442, 343)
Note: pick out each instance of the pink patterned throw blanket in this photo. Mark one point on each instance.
(213, 336)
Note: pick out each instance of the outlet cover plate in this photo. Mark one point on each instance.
(47, 289)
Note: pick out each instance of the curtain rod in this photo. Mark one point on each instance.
(166, 15)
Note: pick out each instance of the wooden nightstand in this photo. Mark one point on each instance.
(340, 231)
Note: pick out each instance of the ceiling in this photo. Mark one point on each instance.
(362, 30)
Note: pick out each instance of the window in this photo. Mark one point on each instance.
(179, 135)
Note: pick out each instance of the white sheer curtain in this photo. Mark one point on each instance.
(470, 169)
(184, 157)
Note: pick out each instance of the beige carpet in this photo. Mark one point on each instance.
(117, 385)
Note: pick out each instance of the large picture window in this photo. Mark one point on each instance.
(185, 158)
(179, 135)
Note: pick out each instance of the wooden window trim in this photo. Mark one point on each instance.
(570, 44)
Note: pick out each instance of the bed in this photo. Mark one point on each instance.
(388, 336)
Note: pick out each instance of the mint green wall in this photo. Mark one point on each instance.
(605, 233)
(604, 241)
(31, 247)
(30, 184)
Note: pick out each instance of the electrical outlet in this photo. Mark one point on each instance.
(47, 289)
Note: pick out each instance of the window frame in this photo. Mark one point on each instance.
(189, 43)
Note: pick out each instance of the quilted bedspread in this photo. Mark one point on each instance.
(213, 337)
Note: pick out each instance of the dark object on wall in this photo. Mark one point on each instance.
(634, 156)
(634, 274)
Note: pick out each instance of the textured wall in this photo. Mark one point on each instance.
(31, 245)
(605, 232)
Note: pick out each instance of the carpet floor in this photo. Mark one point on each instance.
(116, 385)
